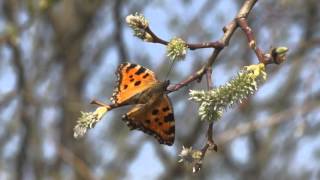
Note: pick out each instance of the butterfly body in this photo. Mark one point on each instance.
(152, 112)
(151, 95)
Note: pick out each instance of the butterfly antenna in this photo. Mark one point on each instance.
(171, 66)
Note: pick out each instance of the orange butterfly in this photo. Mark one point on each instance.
(152, 113)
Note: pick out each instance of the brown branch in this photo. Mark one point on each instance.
(155, 38)
(191, 46)
(196, 76)
(108, 106)
(210, 144)
(208, 77)
(207, 69)
(263, 58)
(223, 42)
(231, 28)
(242, 22)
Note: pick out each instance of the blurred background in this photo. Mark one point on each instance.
(56, 56)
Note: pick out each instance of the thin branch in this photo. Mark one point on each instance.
(191, 46)
(231, 28)
(224, 41)
(210, 145)
(208, 77)
(196, 76)
(263, 58)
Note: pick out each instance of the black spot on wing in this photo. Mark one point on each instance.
(137, 83)
(147, 121)
(155, 112)
(165, 109)
(145, 76)
(140, 71)
(169, 118)
(166, 140)
(170, 131)
(125, 86)
(130, 67)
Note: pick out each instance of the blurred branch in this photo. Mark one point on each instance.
(275, 119)
(69, 157)
(6, 98)
(21, 88)
(125, 154)
(118, 30)
(11, 11)
(163, 155)
(103, 47)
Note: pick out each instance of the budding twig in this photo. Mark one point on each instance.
(276, 56)
(191, 46)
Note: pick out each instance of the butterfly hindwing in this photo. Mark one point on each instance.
(156, 119)
(132, 79)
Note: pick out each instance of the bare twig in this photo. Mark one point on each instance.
(191, 46)
(196, 76)
(243, 23)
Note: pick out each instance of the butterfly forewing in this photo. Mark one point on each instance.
(156, 119)
(132, 80)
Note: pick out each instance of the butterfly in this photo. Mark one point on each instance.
(152, 112)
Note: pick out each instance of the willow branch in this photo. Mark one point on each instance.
(262, 57)
(191, 46)
(223, 42)
(196, 76)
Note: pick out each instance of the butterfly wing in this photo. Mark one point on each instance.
(132, 79)
(156, 120)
